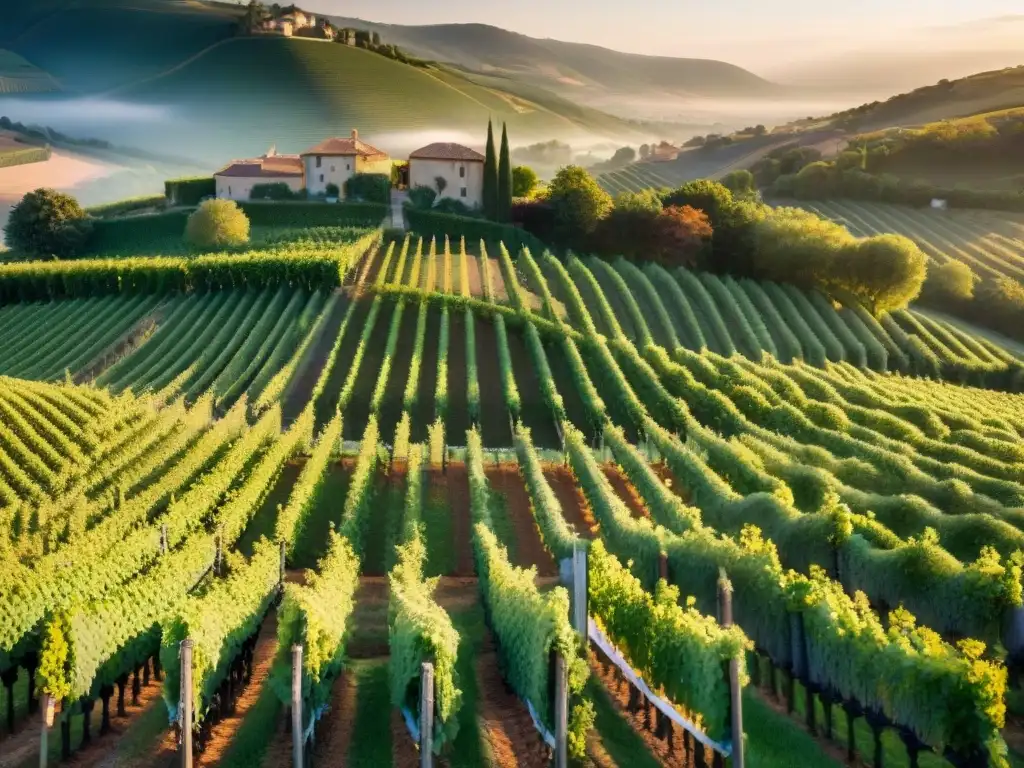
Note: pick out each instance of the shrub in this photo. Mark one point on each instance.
(189, 191)
(313, 214)
(454, 207)
(217, 224)
(276, 191)
(332, 190)
(422, 197)
(369, 187)
(952, 281)
(48, 223)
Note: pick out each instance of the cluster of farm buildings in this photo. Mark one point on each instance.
(335, 160)
(292, 22)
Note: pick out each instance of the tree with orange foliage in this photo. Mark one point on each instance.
(679, 234)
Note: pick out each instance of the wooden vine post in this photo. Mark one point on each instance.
(561, 712)
(48, 708)
(579, 590)
(427, 715)
(735, 692)
(185, 709)
(298, 737)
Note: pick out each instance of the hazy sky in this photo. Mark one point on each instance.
(745, 32)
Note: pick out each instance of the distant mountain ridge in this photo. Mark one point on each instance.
(571, 69)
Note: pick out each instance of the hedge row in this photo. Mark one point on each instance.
(313, 214)
(45, 280)
(25, 156)
(121, 207)
(189, 191)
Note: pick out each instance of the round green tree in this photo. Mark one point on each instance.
(524, 181)
(48, 223)
(578, 201)
(217, 224)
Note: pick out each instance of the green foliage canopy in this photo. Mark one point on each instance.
(217, 224)
(48, 223)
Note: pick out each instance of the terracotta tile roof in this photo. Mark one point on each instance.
(345, 147)
(273, 167)
(446, 151)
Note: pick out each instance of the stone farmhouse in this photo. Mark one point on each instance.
(460, 168)
(332, 161)
(452, 170)
(336, 160)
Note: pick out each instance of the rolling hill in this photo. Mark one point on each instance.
(572, 69)
(246, 93)
(95, 45)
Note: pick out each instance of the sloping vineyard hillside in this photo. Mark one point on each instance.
(383, 453)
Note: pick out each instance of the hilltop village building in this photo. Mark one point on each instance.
(452, 170)
(461, 168)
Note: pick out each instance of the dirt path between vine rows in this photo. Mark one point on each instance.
(574, 504)
(530, 549)
(504, 720)
(223, 734)
(625, 491)
(22, 748)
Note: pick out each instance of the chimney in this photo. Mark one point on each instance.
(355, 133)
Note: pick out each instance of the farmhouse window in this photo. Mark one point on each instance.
(462, 172)
(321, 177)
(229, 191)
(318, 161)
(348, 166)
(332, 169)
(464, 192)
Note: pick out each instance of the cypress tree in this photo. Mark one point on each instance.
(505, 178)
(490, 176)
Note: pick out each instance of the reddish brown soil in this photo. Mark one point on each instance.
(476, 280)
(24, 744)
(369, 638)
(456, 483)
(404, 752)
(574, 504)
(457, 594)
(662, 471)
(529, 548)
(618, 692)
(504, 720)
(334, 731)
(625, 491)
(223, 733)
(497, 281)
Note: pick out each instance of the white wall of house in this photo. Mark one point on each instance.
(465, 178)
(322, 170)
(240, 187)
